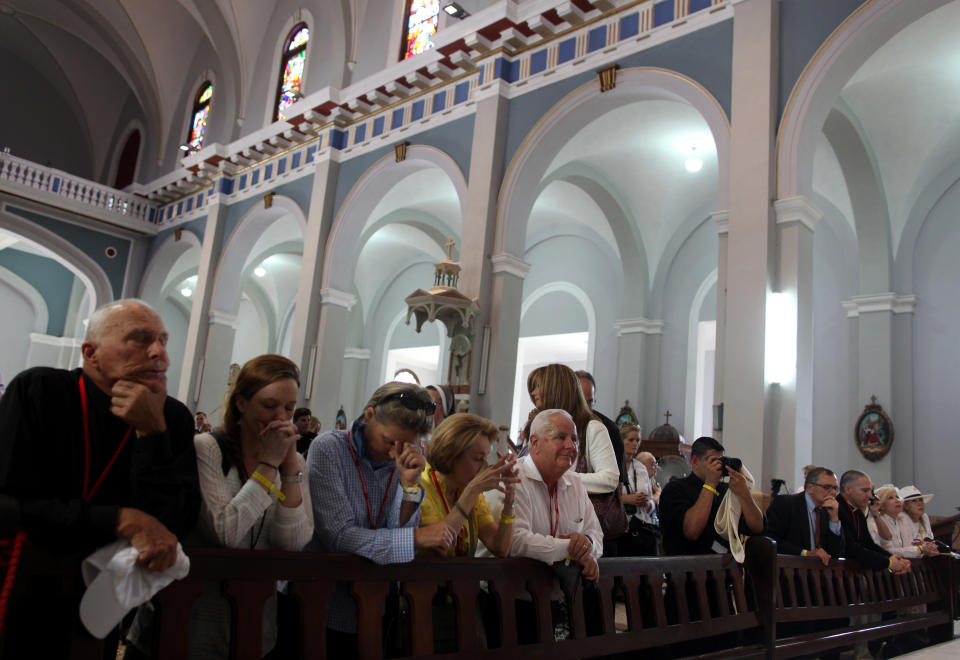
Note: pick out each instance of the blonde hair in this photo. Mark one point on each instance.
(559, 387)
(389, 410)
(453, 436)
(628, 427)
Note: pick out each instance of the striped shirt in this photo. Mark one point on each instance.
(341, 523)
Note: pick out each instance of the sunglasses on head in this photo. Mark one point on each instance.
(411, 401)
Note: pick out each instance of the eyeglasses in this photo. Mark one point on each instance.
(829, 487)
(411, 401)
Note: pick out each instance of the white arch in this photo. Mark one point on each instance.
(40, 313)
(821, 82)
(690, 399)
(526, 169)
(582, 298)
(392, 329)
(344, 243)
(158, 268)
(66, 254)
(236, 249)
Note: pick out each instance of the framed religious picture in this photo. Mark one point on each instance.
(873, 432)
(626, 415)
(341, 423)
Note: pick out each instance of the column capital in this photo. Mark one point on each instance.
(357, 354)
(338, 298)
(722, 220)
(638, 326)
(880, 302)
(508, 263)
(222, 318)
(797, 209)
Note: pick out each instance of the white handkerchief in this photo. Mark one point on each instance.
(116, 584)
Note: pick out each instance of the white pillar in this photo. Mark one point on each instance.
(221, 330)
(326, 378)
(306, 316)
(750, 252)
(722, 220)
(352, 396)
(792, 422)
(197, 329)
(638, 368)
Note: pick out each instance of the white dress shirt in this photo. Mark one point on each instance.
(534, 508)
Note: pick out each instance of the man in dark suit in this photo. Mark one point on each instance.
(808, 523)
(855, 493)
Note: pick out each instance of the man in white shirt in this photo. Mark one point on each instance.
(555, 518)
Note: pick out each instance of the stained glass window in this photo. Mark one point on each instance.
(199, 116)
(291, 68)
(421, 24)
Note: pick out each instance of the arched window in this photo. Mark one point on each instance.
(199, 116)
(420, 24)
(292, 59)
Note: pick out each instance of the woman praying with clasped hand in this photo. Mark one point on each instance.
(455, 479)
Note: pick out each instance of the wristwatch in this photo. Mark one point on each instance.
(291, 478)
(412, 493)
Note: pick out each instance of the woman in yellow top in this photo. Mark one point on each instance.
(455, 479)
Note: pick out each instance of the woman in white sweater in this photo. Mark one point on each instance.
(557, 386)
(915, 525)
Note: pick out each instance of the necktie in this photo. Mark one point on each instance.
(816, 533)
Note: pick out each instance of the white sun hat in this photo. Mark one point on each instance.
(911, 492)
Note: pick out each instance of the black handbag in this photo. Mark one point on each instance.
(608, 507)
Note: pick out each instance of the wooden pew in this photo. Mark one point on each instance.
(803, 592)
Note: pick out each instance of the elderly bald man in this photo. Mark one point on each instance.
(101, 452)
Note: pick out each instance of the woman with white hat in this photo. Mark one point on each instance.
(915, 525)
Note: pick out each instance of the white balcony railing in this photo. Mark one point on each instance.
(116, 205)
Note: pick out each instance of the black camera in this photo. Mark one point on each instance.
(730, 463)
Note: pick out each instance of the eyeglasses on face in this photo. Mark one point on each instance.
(829, 487)
(411, 401)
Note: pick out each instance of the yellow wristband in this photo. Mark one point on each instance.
(266, 483)
(890, 564)
(711, 489)
(803, 553)
(508, 520)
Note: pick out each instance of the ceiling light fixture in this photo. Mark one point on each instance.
(186, 292)
(189, 148)
(259, 271)
(455, 10)
(693, 164)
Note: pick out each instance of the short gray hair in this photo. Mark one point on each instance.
(99, 321)
(850, 476)
(542, 421)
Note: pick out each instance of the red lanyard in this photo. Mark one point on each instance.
(461, 549)
(554, 511)
(363, 484)
(853, 514)
(88, 495)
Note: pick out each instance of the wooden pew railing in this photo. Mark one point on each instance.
(705, 606)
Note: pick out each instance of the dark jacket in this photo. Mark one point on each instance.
(788, 523)
(858, 544)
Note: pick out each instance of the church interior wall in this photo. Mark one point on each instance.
(176, 320)
(49, 278)
(18, 300)
(936, 352)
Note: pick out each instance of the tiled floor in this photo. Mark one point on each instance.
(945, 651)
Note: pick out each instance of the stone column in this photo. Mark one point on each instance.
(215, 372)
(480, 278)
(722, 220)
(352, 397)
(196, 346)
(326, 377)
(306, 316)
(637, 340)
(505, 301)
(883, 346)
(750, 246)
(792, 416)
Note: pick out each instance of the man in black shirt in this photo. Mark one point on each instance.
(589, 387)
(121, 462)
(688, 506)
(855, 494)
(302, 418)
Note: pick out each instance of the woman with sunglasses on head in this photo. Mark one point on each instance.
(366, 492)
